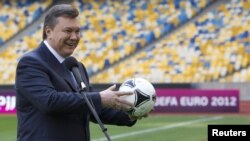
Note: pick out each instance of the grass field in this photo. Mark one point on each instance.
(172, 127)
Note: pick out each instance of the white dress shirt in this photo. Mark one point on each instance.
(52, 50)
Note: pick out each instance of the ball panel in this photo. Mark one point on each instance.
(144, 108)
(140, 97)
(129, 83)
(144, 86)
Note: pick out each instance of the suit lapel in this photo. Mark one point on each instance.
(57, 66)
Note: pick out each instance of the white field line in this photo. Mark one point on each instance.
(159, 128)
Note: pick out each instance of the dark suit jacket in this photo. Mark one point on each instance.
(49, 108)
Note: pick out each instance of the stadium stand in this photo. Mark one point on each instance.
(210, 48)
(15, 15)
(111, 30)
(114, 29)
(214, 47)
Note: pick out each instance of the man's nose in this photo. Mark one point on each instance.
(74, 36)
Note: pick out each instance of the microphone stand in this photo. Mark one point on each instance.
(104, 129)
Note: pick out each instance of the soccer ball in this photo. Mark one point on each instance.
(144, 96)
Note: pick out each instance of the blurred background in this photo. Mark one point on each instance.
(186, 48)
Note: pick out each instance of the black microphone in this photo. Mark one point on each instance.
(72, 64)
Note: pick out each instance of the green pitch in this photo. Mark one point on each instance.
(156, 127)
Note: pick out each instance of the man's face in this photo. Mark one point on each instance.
(65, 36)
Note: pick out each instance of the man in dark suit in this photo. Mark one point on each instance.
(49, 106)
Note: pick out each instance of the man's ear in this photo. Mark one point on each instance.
(48, 32)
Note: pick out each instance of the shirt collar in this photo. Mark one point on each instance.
(52, 50)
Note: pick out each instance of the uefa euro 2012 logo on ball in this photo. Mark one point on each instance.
(143, 97)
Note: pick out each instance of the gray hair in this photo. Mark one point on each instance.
(60, 10)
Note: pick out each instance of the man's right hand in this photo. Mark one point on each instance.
(112, 99)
